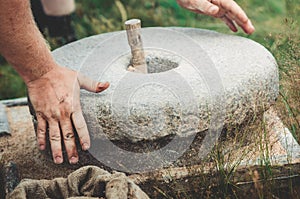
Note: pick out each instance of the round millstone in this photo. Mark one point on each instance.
(178, 96)
(197, 81)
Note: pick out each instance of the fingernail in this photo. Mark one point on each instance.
(85, 146)
(42, 147)
(101, 85)
(58, 160)
(73, 160)
(251, 28)
(213, 9)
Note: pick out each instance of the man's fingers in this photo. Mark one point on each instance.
(232, 7)
(235, 13)
(55, 141)
(101, 86)
(229, 23)
(81, 128)
(41, 131)
(205, 7)
(91, 85)
(69, 139)
(228, 10)
(246, 25)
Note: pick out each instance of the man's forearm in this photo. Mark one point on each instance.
(21, 43)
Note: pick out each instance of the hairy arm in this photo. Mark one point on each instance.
(53, 90)
(21, 43)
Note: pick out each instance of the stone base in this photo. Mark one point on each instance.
(282, 147)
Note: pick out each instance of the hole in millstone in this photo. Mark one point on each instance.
(159, 61)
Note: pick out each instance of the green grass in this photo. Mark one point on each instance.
(11, 85)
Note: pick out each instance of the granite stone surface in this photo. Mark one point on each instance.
(198, 80)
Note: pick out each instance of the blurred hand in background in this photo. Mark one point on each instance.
(227, 10)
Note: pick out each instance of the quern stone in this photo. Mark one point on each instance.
(194, 74)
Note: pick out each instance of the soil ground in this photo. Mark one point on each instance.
(187, 177)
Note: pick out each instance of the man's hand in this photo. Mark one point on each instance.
(53, 90)
(227, 10)
(55, 98)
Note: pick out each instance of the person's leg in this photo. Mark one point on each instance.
(59, 19)
(61, 27)
(39, 15)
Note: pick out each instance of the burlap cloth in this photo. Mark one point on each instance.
(88, 182)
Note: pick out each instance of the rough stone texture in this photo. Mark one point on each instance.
(140, 107)
(4, 126)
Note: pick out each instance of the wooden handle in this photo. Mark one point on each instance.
(133, 29)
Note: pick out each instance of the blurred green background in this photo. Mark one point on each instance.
(276, 22)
